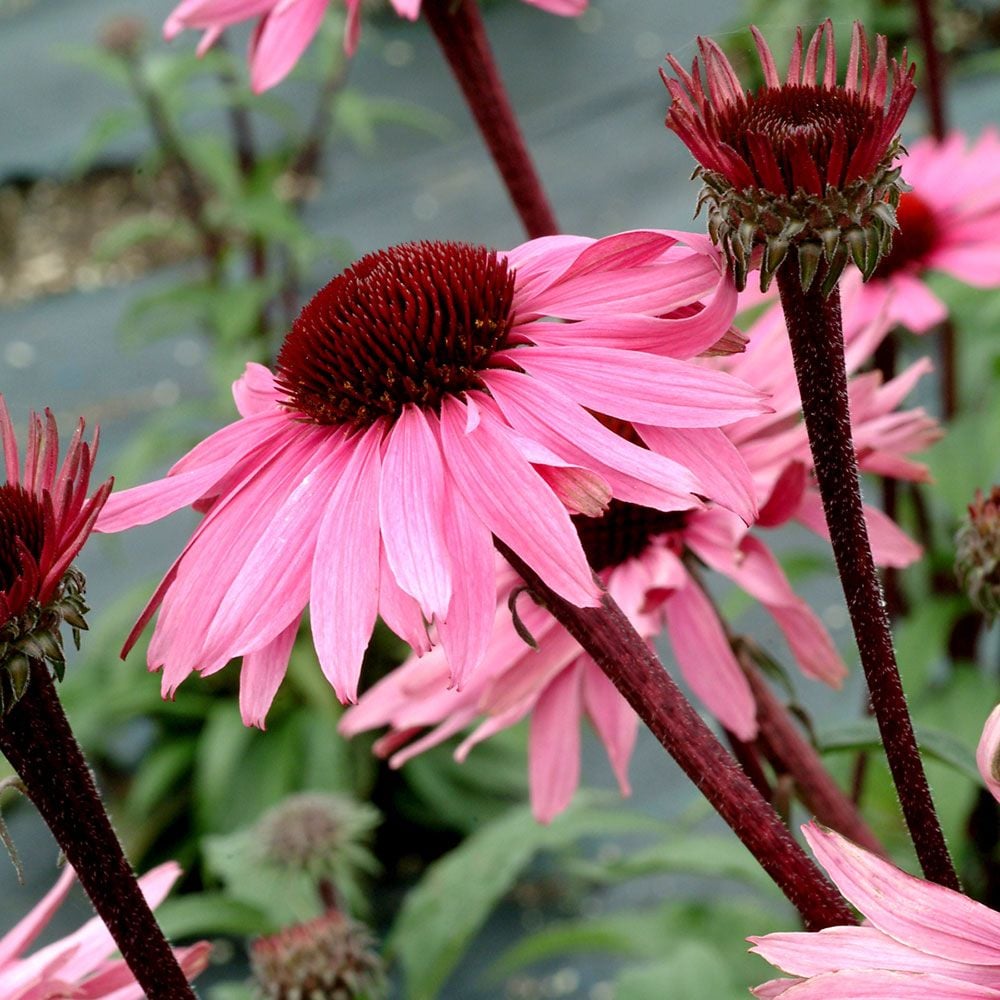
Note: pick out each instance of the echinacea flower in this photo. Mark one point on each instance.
(804, 165)
(286, 27)
(80, 965)
(949, 221)
(919, 940)
(428, 398)
(45, 518)
(644, 558)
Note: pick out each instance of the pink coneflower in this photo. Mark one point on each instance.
(948, 222)
(644, 556)
(805, 164)
(920, 940)
(286, 27)
(428, 398)
(45, 517)
(81, 965)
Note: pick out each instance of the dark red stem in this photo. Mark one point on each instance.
(462, 37)
(36, 738)
(791, 753)
(932, 76)
(817, 341)
(608, 637)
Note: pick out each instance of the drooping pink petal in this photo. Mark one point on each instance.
(647, 390)
(707, 661)
(554, 746)
(20, 936)
(878, 985)
(511, 499)
(466, 627)
(261, 675)
(255, 392)
(616, 723)
(282, 37)
(411, 512)
(714, 459)
(920, 914)
(344, 584)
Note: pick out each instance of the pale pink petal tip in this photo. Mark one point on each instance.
(988, 753)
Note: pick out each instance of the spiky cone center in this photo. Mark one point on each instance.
(411, 324)
(625, 531)
(977, 556)
(30, 630)
(330, 958)
(804, 165)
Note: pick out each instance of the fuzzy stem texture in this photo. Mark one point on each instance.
(792, 754)
(817, 340)
(36, 738)
(459, 30)
(608, 637)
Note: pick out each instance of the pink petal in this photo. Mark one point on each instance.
(707, 661)
(281, 39)
(262, 673)
(616, 723)
(565, 8)
(208, 13)
(514, 503)
(554, 746)
(466, 629)
(714, 459)
(642, 387)
(920, 914)
(634, 474)
(345, 571)
(869, 985)
(400, 611)
(411, 506)
(988, 753)
(255, 392)
(786, 496)
(29, 927)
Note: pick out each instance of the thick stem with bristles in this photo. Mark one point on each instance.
(36, 738)
(817, 340)
(790, 752)
(609, 639)
(459, 30)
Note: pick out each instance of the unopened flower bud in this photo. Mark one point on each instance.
(123, 36)
(330, 958)
(977, 558)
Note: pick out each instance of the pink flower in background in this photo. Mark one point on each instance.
(949, 222)
(640, 555)
(988, 753)
(430, 397)
(286, 27)
(920, 941)
(81, 965)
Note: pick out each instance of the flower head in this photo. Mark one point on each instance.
(45, 518)
(804, 164)
(948, 221)
(977, 556)
(286, 27)
(332, 957)
(647, 559)
(80, 965)
(919, 939)
(427, 399)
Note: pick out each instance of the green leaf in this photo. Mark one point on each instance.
(142, 229)
(104, 130)
(863, 734)
(96, 60)
(440, 916)
(695, 854)
(202, 914)
(694, 970)
(356, 115)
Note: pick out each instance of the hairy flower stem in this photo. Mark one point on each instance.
(608, 637)
(459, 30)
(36, 738)
(791, 753)
(817, 341)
